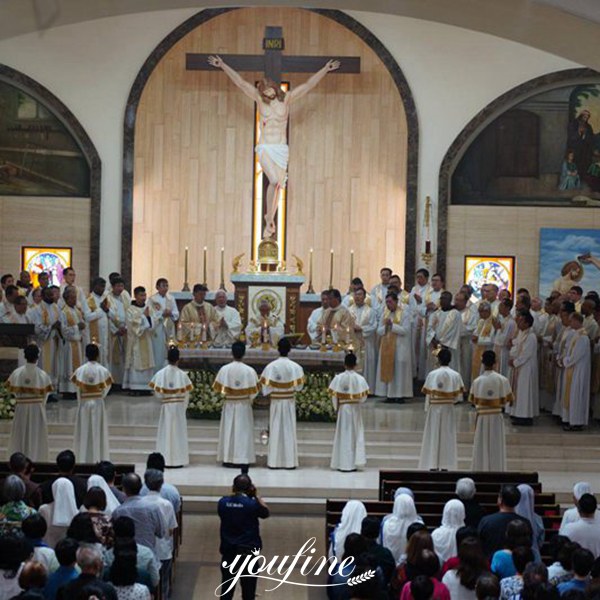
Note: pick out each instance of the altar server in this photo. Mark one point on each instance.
(490, 393)
(525, 380)
(139, 365)
(468, 323)
(165, 313)
(394, 369)
(444, 331)
(238, 383)
(365, 337)
(228, 324)
(576, 386)
(198, 317)
(172, 387)
(46, 318)
(280, 380)
(349, 390)
(93, 383)
(506, 331)
(31, 386)
(443, 388)
(119, 301)
(264, 328)
(72, 328)
(483, 336)
(315, 317)
(98, 318)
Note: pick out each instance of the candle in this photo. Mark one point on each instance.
(265, 333)
(185, 278)
(310, 265)
(323, 336)
(351, 265)
(222, 267)
(204, 269)
(331, 270)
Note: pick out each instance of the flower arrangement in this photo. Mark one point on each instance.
(7, 403)
(313, 403)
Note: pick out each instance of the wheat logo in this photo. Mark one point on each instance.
(279, 569)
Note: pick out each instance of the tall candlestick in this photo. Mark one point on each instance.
(222, 284)
(204, 268)
(186, 285)
(351, 265)
(331, 270)
(310, 273)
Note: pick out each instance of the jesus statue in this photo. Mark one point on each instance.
(274, 108)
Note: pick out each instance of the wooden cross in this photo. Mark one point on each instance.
(273, 62)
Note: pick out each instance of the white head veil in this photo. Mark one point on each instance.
(444, 537)
(526, 509)
(394, 527)
(64, 507)
(404, 490)
(111, 500)
(581, 488)
(351, 522)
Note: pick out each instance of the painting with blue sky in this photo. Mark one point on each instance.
(569, 257)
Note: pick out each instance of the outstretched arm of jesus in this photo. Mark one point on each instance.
(312, 82)
(245, 86)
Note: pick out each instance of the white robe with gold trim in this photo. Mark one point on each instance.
(239, 385)
(73, 346)
(44, 316)
(98, 325)
(445, 326)
(93, 383)
(443, 388)
(29, 432)
(172, 387)
(164, 329)
(348, 391)
(140, 364)
(280, 380)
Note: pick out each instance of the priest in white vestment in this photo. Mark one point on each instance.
(46, 317)
(355, 284)
(239, 385)
(228, 325)
(165, 314)
(336, 322)
(468, 324)
(560, 350)
(365, 337)
(416, 299)
(69, 281)
(98, 319)
(506, 331)
(483, 337)
(264, 328)
(348, 391)
(73, 327)
(548, 373)
(444, 332)
(394, 369)
(7, 304)
(491, 296)
(379, 292)
(443, 388)
(172, 387)
(119, 301)
(30, 386)
(315, 317)
(139, 364)
(198, 317)
(525, 378)
(577, 365)
(490, 393)
(280, 380)
(19, 316)
(93, 383)
(590, 325)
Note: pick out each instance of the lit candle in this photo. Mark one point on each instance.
(222, 267)
(203, 332)
(351, 265)
(310, 265)
(265, 333)
(331, 270)
(323, 336)
(204, 268)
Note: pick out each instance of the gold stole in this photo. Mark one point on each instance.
(93, 325)
(75, 346)
(486, 330)
(570, 371)
(144, 342)
(387, 348)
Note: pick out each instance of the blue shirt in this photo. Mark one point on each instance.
(239, 522)
(60, 577)
(574, 584)
(147, 517)
(169, 492)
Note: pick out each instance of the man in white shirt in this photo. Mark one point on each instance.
(586, 531)
(572, 514)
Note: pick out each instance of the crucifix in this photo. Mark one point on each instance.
(273, 109)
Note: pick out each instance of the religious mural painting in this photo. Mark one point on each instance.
(38, 154)
(480, 270)
(569, 257)
(51, 260)
(545, 151)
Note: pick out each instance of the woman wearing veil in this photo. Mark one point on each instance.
(60, 512)
(444, 537)
(395, 526)
(351, 522)
(526, 509)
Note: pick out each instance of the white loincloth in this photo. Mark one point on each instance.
(278, 153)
